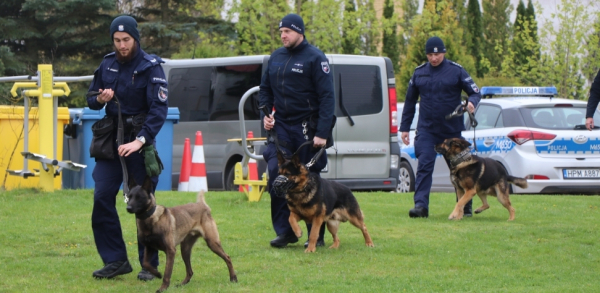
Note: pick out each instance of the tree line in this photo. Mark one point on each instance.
(73, 36)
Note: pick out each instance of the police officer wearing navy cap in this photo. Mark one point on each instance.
(439, 83)
(298, 84)
(138, 82)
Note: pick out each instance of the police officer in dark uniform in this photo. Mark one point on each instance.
(592, 103)
(298, 85)
(439, 83)
(137, 80)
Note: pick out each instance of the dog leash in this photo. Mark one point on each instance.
(315, 157)
(459, 111)
(120, 131)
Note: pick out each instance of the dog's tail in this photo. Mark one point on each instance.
(521, 182)
(200, 197)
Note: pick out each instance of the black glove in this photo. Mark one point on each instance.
(154, 165)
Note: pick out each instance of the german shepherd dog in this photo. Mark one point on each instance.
(471, 174)
(316, 200)
(161, 228)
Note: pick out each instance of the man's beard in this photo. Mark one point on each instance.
(124, 59)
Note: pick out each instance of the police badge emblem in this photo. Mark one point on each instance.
(163, 94)
(325, 67)
(121, 28)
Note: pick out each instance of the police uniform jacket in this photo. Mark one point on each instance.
(440, 90)
(594, 99)
(141, 87)
(299, 83)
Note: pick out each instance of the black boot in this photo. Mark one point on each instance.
(468, 210)
(418, 212)
(113, 269)
(283, 240)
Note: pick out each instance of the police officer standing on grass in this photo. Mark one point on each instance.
(298, 83)
(138, 82)
(439, 83)
(592, 103)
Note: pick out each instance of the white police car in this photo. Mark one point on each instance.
(533, 135)
(408, 161)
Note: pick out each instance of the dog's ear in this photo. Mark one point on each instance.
(280, 157)
(132, 183)
(147, 186)
(296, 159)
(464, 143)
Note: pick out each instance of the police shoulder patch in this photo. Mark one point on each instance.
(325, 66)
(456, 64)
(163, 93)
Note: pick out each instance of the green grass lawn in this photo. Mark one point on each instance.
(47, 246)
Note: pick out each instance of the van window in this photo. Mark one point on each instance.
(212, 93)
(361, 89)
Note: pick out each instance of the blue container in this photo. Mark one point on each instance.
(77, 142)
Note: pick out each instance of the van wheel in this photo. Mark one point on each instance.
(406, 178)
(229, 186)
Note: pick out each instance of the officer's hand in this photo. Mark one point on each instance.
(105, 95)
(269, 122)
(589, 123)
(470, 107)
(405, 138)
(129, 148)
(319, 142)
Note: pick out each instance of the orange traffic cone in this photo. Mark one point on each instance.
(252, 166)
(186, 167)
(198, 172)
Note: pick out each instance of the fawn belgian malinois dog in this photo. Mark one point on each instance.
(471, 174)
(316, 200)
(161, 228)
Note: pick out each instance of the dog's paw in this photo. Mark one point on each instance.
(370, 244)
(309, 250)
(454, 216)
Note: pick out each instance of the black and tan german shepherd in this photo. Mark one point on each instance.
(163, 228)
(316, 200)
(471, 174)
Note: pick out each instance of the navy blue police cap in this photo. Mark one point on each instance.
(434, 45)
(293, 22)
(125, 23)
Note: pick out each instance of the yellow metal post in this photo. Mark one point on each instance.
(46, 125)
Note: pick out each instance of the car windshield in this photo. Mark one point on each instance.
(557, 117)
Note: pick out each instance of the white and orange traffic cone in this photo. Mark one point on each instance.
(186, 167)
(252, 166)
(198, 172)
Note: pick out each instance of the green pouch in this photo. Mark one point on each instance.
(152, 161)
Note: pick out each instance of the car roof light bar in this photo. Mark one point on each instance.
(519, 90)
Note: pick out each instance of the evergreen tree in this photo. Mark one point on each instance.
(475, 38)
(496, 14)
(409, 11)
(530, 13)
(518, 42)
(370, 28)
(351, 31)
(390, 37)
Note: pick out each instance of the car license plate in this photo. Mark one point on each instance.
(581, 173)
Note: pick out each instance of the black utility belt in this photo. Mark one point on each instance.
(131, 123)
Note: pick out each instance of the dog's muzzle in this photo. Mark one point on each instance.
(281, 185)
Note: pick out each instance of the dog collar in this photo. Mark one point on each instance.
(146, 214)
(463, 156)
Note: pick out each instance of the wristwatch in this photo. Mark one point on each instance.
(142, 139)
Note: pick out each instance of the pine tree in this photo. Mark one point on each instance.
(517, 40)
(530, 13)
(351, 42)
(409, 11)
(390, 37)
(496, 14)
(475, 38)
(591, 63)
(258, 25)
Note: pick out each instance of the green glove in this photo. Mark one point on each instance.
(152, 161)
